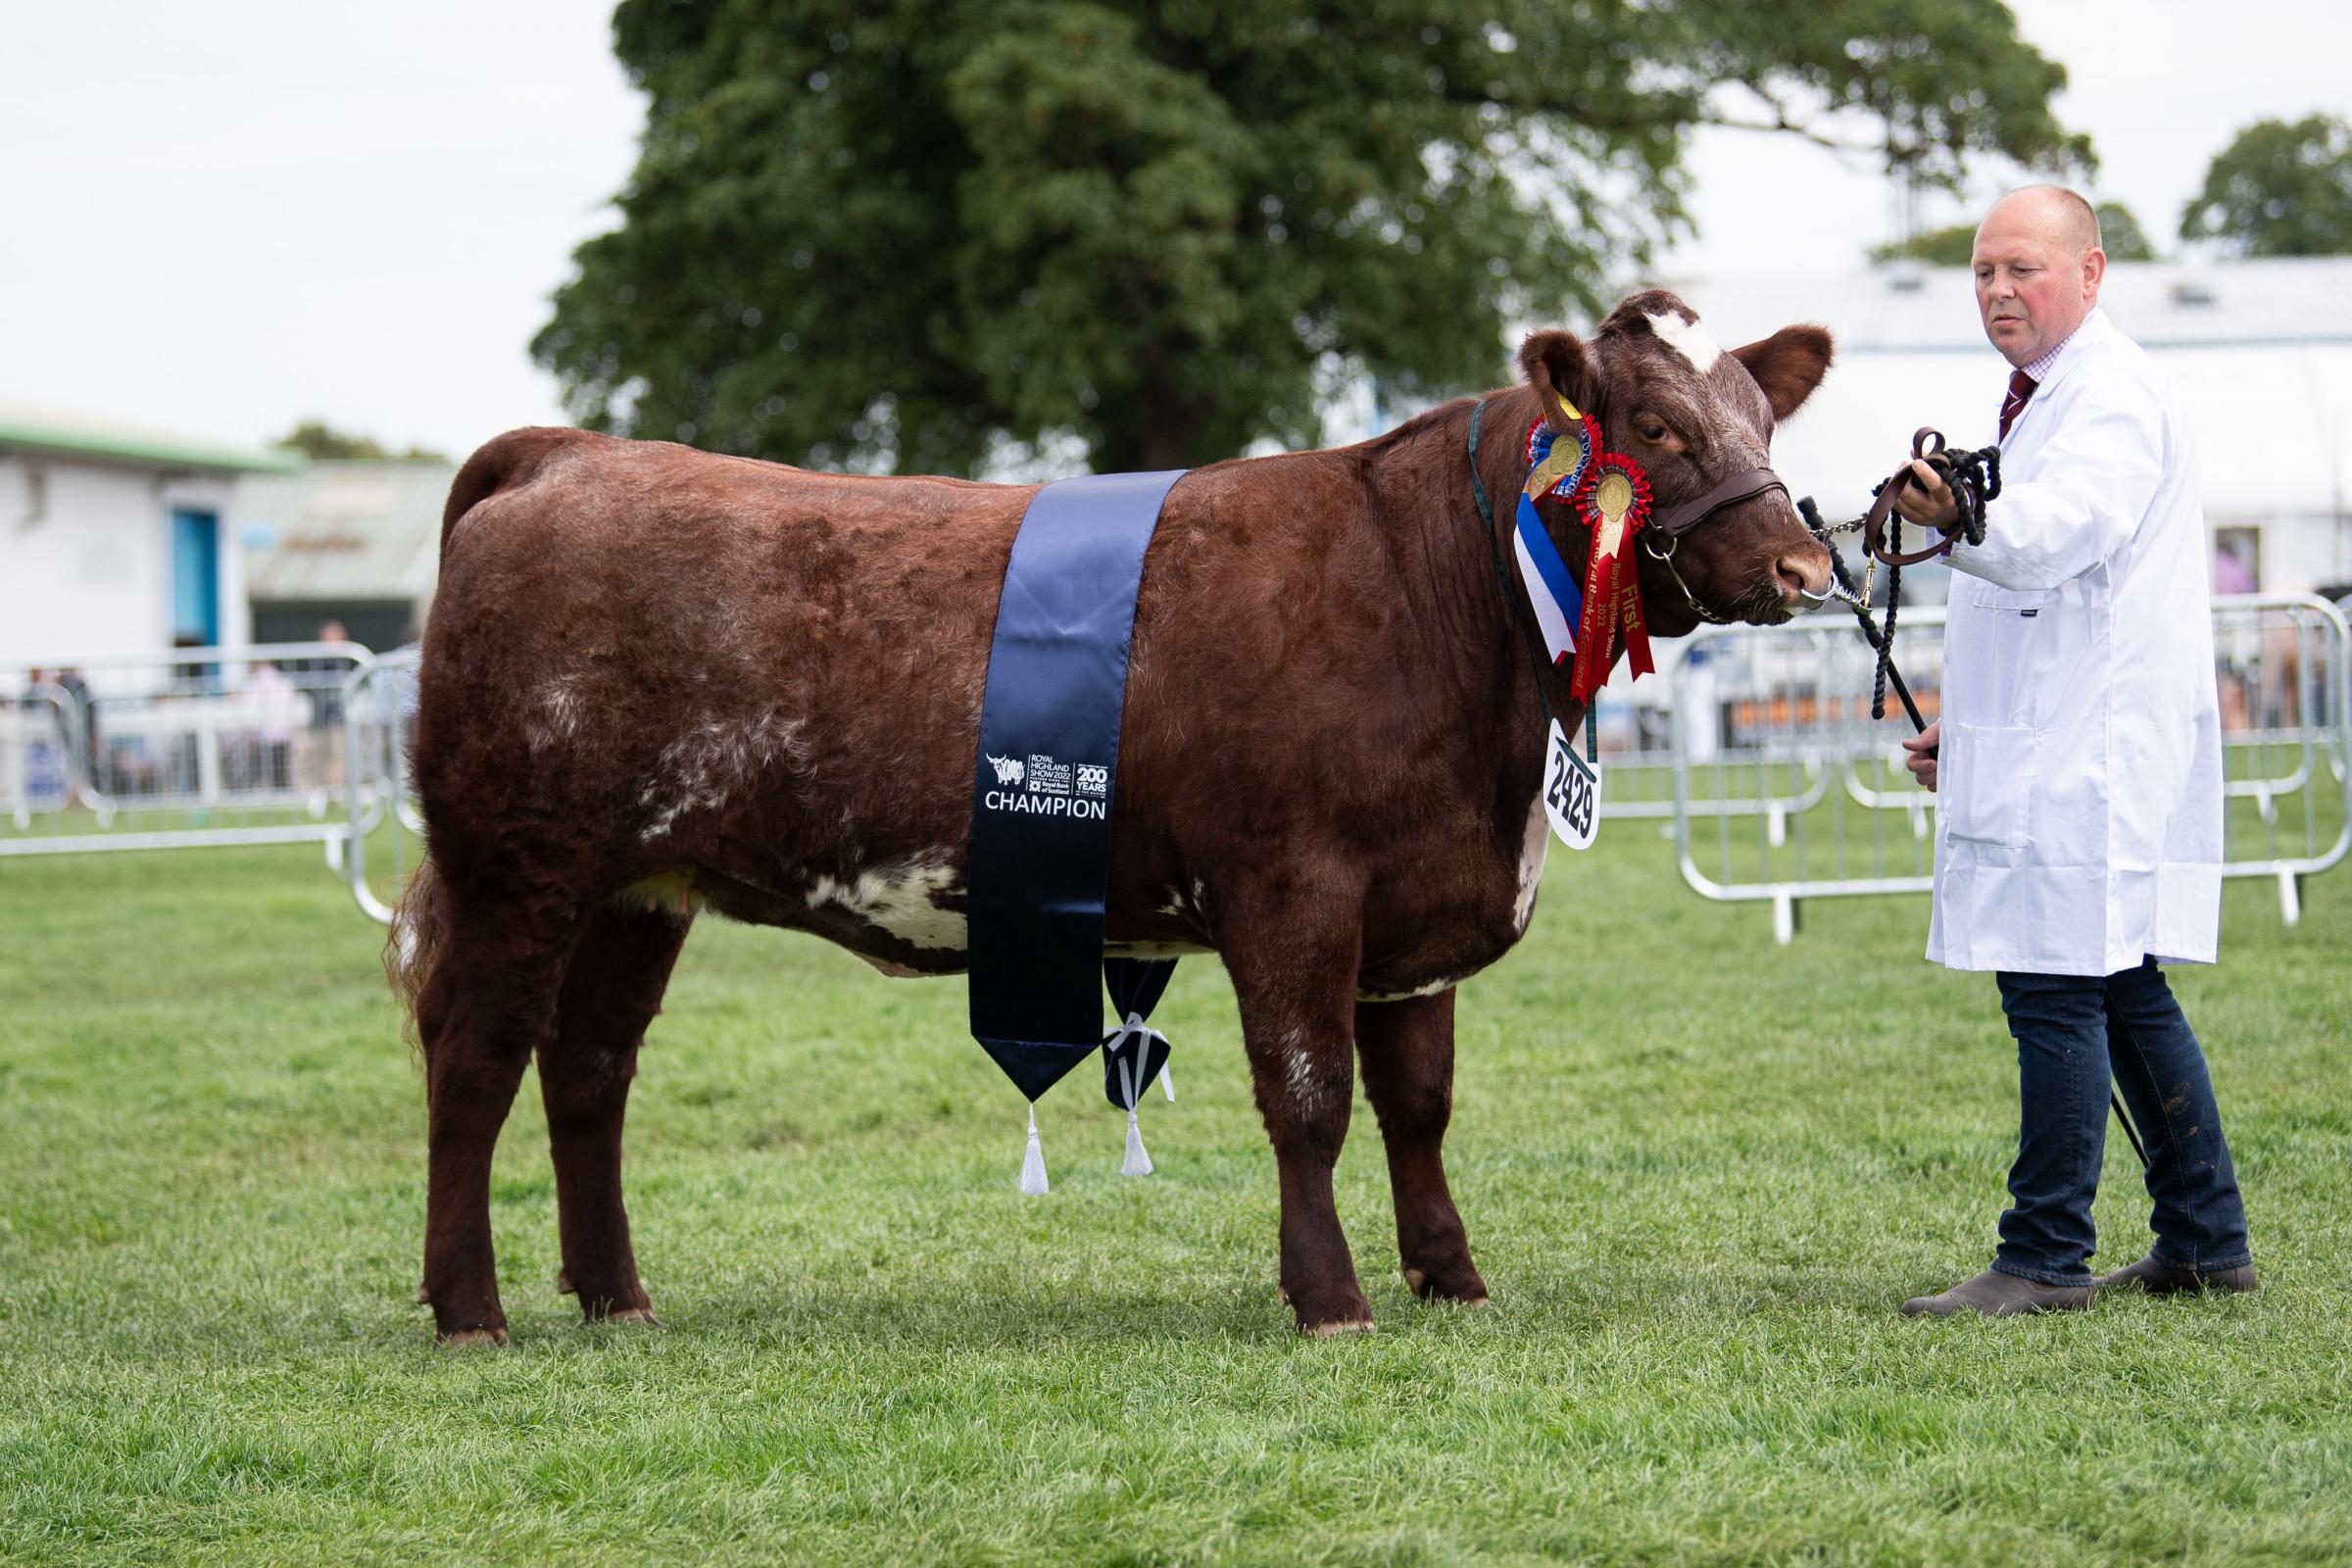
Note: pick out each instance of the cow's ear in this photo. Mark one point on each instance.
(1557, 367)
(1788, 365)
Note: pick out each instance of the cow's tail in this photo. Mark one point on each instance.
(417, 942)
(499, 462)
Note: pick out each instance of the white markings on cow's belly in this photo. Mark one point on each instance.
(1152, 949)
(1691, 340)
(1532, 852)
(714, 758)
(902, 901)
(1414, 994)
(670, 893)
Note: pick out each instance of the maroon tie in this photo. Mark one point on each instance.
(2021, 388)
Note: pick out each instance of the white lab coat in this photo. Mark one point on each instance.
(2079, 778)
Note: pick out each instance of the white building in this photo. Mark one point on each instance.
(2259, 352)
(116, 540)
(356, 541)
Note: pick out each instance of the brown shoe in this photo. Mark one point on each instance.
(1999, 1295)
(2155, 1276)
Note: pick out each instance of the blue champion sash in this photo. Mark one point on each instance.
(1043, 787)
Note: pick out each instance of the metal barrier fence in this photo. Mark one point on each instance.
(386, 834)
(178, 748)
(1786, 704)
(1637, 752)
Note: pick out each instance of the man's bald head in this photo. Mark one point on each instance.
(2060, 212)
(2038, 264)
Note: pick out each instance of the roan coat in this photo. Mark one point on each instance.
(658, 680)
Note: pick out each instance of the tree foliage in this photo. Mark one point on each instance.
(2279, 188)
(892, 235)
(1955, 244)
(316, 438)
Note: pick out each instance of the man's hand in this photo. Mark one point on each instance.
(1927, 501)
(1921, 760)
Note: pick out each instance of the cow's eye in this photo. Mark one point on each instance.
(1651, 430)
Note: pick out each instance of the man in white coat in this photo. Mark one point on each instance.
(2078, 830)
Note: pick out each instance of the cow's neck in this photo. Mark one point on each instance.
(1473, 636)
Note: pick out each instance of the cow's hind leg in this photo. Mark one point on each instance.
(1407, 1051)
(484, 1006)
(1292, 961)
(612, 990)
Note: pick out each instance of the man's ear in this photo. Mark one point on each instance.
(1557, 367)
(1788, 365)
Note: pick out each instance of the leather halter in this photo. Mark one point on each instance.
(1684, 515)
(1672, 522)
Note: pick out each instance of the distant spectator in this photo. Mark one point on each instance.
(273, 709)
(2231, 576)
(326, 709)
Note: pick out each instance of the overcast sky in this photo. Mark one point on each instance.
(219, 219)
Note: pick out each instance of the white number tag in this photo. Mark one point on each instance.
(1571, 792)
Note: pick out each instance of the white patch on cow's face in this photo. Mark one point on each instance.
(1687, 338)
(901, 900)
(714, 758)
(1532, 852)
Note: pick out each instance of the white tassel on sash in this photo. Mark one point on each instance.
(1136, 1162)
(1033, 1161)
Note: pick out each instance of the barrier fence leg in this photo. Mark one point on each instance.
(2290, 897)
(1784, 918)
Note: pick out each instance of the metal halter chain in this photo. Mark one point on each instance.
(1665, 557)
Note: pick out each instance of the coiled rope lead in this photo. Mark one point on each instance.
(1974, 479)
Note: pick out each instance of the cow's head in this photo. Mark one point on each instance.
(1696, 418)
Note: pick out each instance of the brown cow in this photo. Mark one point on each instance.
(658, 680)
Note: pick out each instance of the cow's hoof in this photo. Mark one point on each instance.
(563, 1282)
(1332, 1331)
(1324, 1310)
(462, 1338)
(631, 1314)
(1460, 1284)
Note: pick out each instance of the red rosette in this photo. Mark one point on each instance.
(1607, 463)
(1612, 584)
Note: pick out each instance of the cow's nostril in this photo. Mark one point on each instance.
(1805, 575)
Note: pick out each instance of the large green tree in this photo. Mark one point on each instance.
(2280, 188)
(905, 235)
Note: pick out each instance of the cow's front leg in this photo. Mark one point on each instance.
(1293, 960)
(1407, 1049)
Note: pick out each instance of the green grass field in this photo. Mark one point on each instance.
(1699, 1172)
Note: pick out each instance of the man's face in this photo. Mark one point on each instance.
(2034, 284)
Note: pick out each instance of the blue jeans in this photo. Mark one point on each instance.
(2072, 1031)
